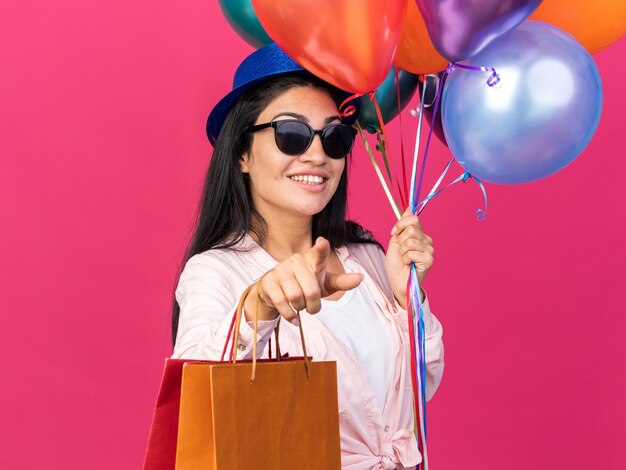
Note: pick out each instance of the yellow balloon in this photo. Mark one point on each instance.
(595, 24)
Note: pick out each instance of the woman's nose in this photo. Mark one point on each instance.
(315, 153)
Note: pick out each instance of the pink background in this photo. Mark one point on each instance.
(102, 157)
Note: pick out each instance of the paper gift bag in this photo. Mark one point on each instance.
(279, 421)
(259, 415)
(161, 449)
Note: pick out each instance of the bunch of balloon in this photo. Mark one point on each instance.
(391, 97)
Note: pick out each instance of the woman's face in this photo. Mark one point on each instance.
(278, 182)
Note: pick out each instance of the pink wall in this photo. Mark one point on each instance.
(102, 156)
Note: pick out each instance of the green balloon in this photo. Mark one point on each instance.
(241, 16)
(387, 97)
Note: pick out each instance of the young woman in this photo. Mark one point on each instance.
(272, 218)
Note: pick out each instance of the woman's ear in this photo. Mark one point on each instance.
(244, 163)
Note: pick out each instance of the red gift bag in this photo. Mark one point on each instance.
(161, 450)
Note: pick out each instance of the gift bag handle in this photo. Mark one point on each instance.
(237, 321)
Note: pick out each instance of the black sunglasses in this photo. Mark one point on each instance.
(294, 137)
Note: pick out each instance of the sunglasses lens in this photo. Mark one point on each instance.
(293, 137)
(338, 140)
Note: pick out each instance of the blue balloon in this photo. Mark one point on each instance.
(540, 116)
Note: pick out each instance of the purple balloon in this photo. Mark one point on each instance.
(459, 29)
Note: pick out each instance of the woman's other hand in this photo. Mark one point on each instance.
(298, 283)
(408, 244)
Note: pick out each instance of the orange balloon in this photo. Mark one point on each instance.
(416, 52)
(595, 24)
(348, 43)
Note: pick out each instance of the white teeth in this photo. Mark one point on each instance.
(308, 179)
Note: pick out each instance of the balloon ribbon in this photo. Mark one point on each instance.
(415, 311)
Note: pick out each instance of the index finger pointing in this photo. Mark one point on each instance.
(317, 256)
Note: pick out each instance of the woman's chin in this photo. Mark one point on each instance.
(308, 208)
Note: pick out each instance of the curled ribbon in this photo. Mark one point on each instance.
(493, 79)
(345, 109)
(481, 214)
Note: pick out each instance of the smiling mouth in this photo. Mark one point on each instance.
(308, 179)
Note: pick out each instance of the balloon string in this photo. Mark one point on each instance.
(379, 174)
(379, 114)
(415, 312)
(381, 146)
(402, 155)
(417, 330)
(418, 362)
(418, 137)
(493, 80)
(481, 214)
(386, 150)
(346, 110)
(415, 196)
(412, 342)
(403, 201)
(435, 186)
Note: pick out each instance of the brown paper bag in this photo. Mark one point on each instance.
(266, 415)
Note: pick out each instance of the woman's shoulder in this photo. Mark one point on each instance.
(215, 257)
(236, 260)
(208, 266)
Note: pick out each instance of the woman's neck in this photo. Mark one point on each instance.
(286, 235)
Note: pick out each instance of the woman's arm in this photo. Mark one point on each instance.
(208, 292)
